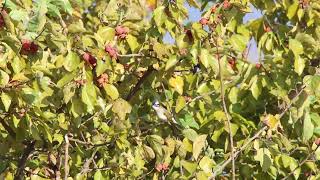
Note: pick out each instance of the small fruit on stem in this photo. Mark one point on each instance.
(103, 79)
(89, 59)
(122, 32)
(317, 141)
(204, 21)
(29, 47)
(258, 65)
(226, 4)
(111, 51)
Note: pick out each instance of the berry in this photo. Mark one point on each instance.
(189, 34)
(111, 51)
(2, 23)
(226, 4)
(103, 79)
(122, 32)
(214, 8)
(162, 167)
(317, 141)
(29, 47)
(258, 65)
(204, 21)
(89, 59)
(266, 28)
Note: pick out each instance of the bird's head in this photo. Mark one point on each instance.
(155, 105)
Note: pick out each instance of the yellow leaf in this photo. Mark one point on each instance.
(177, 83)
(271, 121)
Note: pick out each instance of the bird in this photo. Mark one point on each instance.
(163, 113)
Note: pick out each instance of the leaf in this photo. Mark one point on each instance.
(65, 79)
(206, 164)
(272, 121)
(293, 9)
(4, 78)
(102, 66)
(177, 83)
(6, 100)
(71, 61)
(159, 16)
(190, 134)
(263, 155)
(256, 87)
(295, 46)
(189, 166)
(172, 61)
(239, 42)
(97, 175)
(189, 122)
(148, 152)
(38, 21)
(193, 3)
(198, 145)
(112, 91)
(308, 127)
(180, 103)
(299, 64)
(121, 108)
(89, 96)
(133, 42)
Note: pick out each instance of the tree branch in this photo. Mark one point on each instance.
(23, 160)
(300, 164)
(8, 128)
(227, 115)
(136, 88)
(226, 162)
(66, 157)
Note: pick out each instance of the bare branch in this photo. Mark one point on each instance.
(66, 157)
(136, 88)
(300, 164)
(23, 160)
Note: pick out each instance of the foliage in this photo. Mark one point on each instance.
(78, 79)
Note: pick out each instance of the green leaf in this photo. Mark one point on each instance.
(72, 61)
(97, 175)
(133, 42)
(65, 79)
(295, 46)
(256, 87)
(263, 155)
(121, 108)
(4, 78)
(89, 96)
(299, 64)
(189, 166)
(308, 127)
(177, 83)
(293, 9)
(198, 145)
(206, 164)
(190, 134)
(112, 91)
(38, 21)
(239, 42)
(180, 103)
(18, 14)
(6, 100)
(172, 61)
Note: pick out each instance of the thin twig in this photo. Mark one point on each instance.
(300, 164)
(86, 165)
(135, 89)
(23, 160)
(8, 128)
(66, 157)
(225, 163)
(227, 115)
(130, 55)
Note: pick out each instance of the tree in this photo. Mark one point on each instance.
(78, 79)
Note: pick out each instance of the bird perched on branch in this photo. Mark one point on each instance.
(163, 113)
